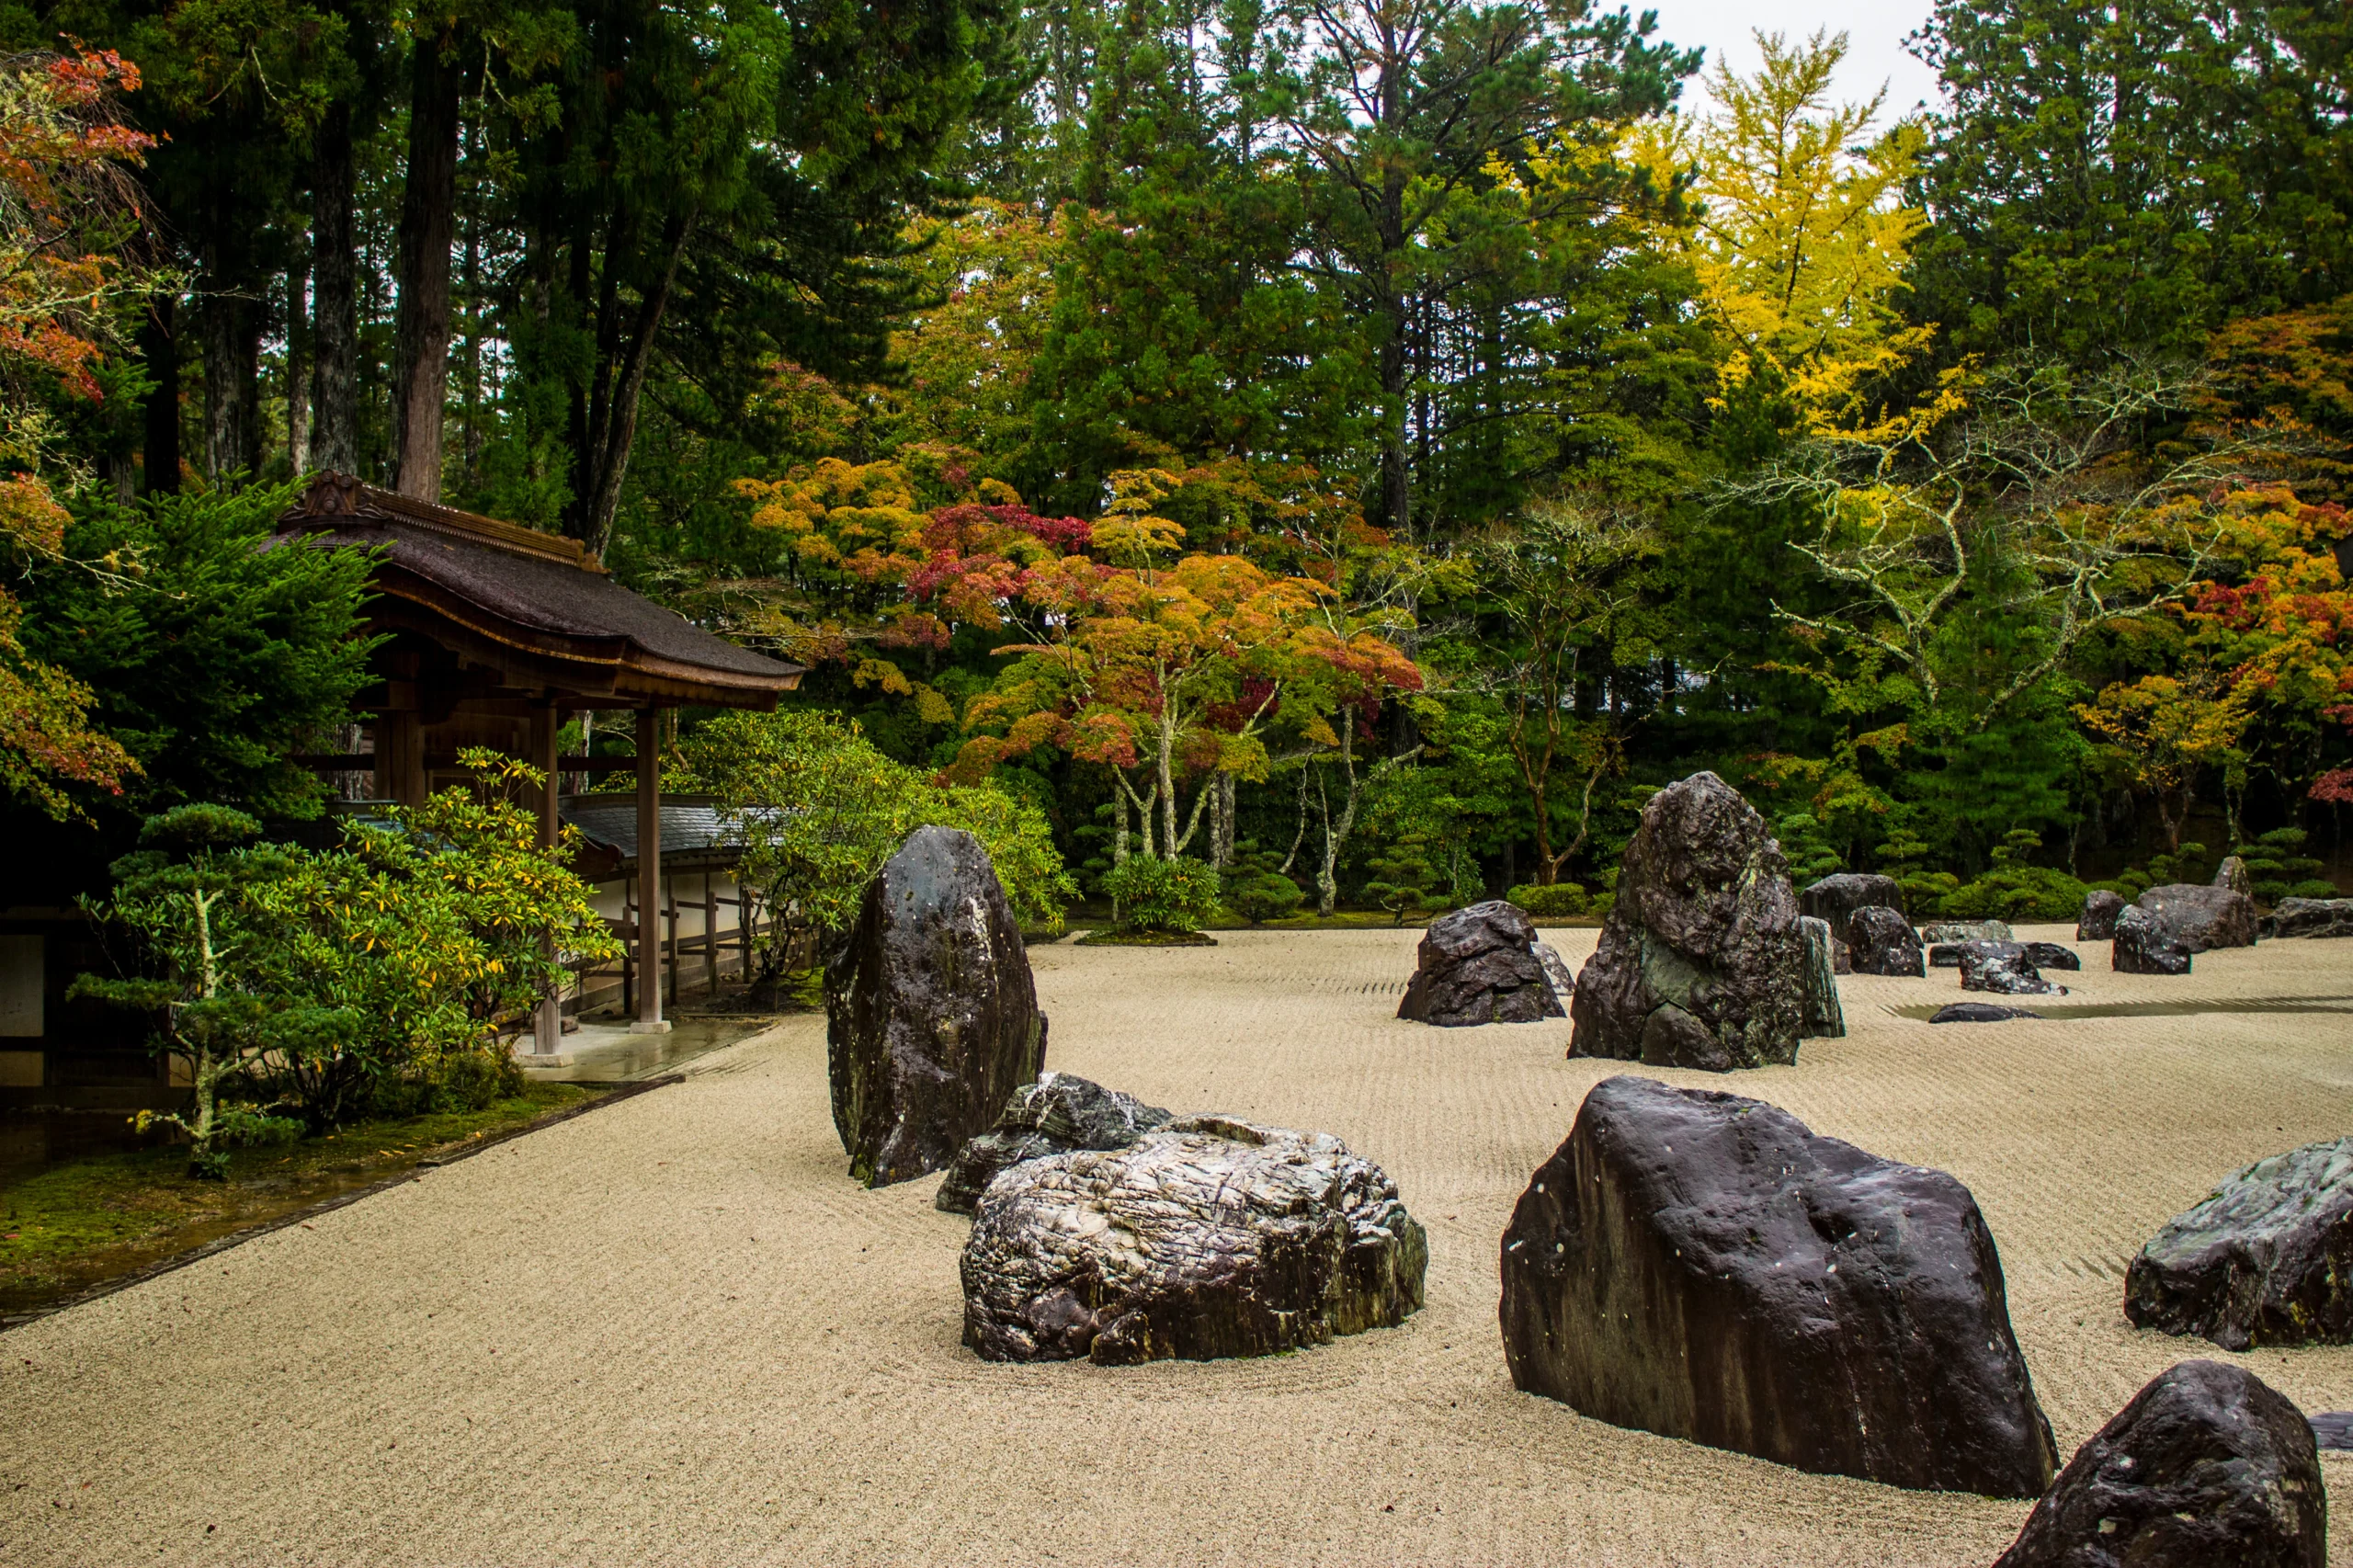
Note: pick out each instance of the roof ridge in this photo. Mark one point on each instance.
(330, 494)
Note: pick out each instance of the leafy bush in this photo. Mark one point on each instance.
(1155, 894)
(1557, 902)
(1904, 857)
(2016, 890)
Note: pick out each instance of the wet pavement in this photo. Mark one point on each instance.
(607, 1053)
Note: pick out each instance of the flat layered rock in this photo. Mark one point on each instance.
(2144, 945)
(931, 1014)
(1210, 1237)
(2201, 918)
(1978, 1013)
(2098, 921)
(1825, 1018)
(1701, 963)
(2208, 1467)
(2051, 955)
(1704, 1267)
(1958, 931)
(2004, 968)
(1483, 965)
(1058, 1113)
(2266, 1259)
(2310, 918)
(1834, 899)
(1883, 942)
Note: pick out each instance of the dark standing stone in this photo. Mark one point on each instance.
(2208, 1467)
(2266, 1259)
(1946, 955)
(2051, 955)
(931, 1016)
(1056, 1114)
(1210, 1237)
(2201, 918)
(2002, 967)
(1701, 963)
(1479, 966)
(2310, 918)
(1833, 900)
(2233, 874)
(1977, 1013)
(1702, 1266)
(1825, 1018)
(1966, 931)
(2144, 945)
(1884, 943)
(2098, 921)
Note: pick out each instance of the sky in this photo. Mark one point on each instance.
(1875, 30)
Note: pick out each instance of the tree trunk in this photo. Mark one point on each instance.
(159, 346)
(298, 380)
(613, 429)
(334, 299)
(429, 218)
(231, 370)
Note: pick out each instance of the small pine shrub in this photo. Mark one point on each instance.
(2015, 890)
(1405, 880)
(1263, 896)
(1808, 848)
(1557, 901)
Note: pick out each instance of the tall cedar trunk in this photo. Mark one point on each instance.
(334, 299)
(298, 356)
(231, 370)
(611, 423)
(428, 220)
(159, 346)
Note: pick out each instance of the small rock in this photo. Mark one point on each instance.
(2142, 946)
(1210, 1237)
(1946, 955)
(1479, 966)
(1842, 957)
(2051, 955)
(1702, 1266)
(1883, 942)
(1825, 1018)
(1977, 1013)
(2201, 918)
(2207, 1467)
(2098, 921)
(1557, 973)
(1966, 931)
(2002, 967)
(1058, 1113)
(2332, 1430)
(2233, 874)
(2266, 1259)
(2310, 918)
(1835, 899)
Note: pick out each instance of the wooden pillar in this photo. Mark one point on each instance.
(649, 874)
(710, 933)
(400, 758)
(546, 1028)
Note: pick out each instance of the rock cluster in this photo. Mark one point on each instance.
(1209, 1237)
(931, 1016)
(1701, 962)
(2310, 918)
(1825, 1018)
(2142, 946)
(1058, 1113)
(2201, 918)
(1702, 1266)
(1883, 942)
(2266, 1259)
(2208, 1465)
(1835, 899)
(2098, 921)
(2004, 968)
(1483, 965)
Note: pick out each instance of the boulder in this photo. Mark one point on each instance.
(1966, 931)
(1842, 957)
(2233, 874)
(2333, 1430)
(2051, 955)
(2098, 921)
(1977, 1013)
(1836, 899)
(1884, 943)
(1209, 1237)
(931, 1016)
(1479, 966)
(1702, 1266)
(2003, 967)
(1825, 1018)
(2144, 945)
(2266, 1259)
(1946, 955)
(1056, 1114)
(1701, 963)
(1557, 973)
(2310, 918)
(2207, 1466)
(2201, 918)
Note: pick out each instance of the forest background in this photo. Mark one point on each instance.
(1367, 447)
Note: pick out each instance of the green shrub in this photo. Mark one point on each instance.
(1553, 902)
(2316, 888)
(2016, 890)
(1807, 846)
(1263, 896)
(1155, 894)
(2277, 870)
(1405, 880)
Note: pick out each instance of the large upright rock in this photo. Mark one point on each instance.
(1835, 899)
(1883, 942)
(1210, 1237)
(1058, 1113)
(931, 1017)
(2310, 918)
(1702, 1266)
(1481, 965)
(1701, 963)
(2201, 918)
(1825, 1018)
(2233, 874)
(2266, 1259)
(2142, 945)
(2208, 1467)
(2098, 921)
